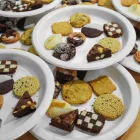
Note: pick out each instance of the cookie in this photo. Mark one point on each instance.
(28, 83)
(7, 5)
(32, 50)
(70, 2)
(128, 3)
(106, 3)
(78, 20)
(26, 37)
(10, 36)
(3, 28)
(65, 75)
(76, 39)
(90, 122)
(134, 50)
(57, 89)
(1, 101)
(8, 66)
(76, 92)
(36, 5)
(52, 41)
(110, 43)
(92, 30)
(98, 52)
(90, 1)
(66, 121)
(21, 8)
(109, 106)
(6, 84)
(113, 30)
(64, 51)
(102, 85)
(63, 28)
(46, 1)
(137, 56)
(58, 107)
(25, 106)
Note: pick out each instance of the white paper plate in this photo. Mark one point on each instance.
(124, 10)
(98, 15)
(127, 90)
(46, 7)
(129, 61)
(28, 64)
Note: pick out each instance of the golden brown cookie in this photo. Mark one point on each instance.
(32, 50)
(109, 106)
(128, 3)
(110, 43)
(78, 20)
(63, 28)
(28, 83)
(1, 101)
(76, 92)
(26, 37)
(137, 56)
(106, 3)
(102, 85)
(46, 1)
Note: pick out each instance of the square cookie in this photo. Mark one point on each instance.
(102, 85)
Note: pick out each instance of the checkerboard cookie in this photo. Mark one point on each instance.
(113, 30)
(8, 66)
(102, 85)
(90, 122)
(109, 106)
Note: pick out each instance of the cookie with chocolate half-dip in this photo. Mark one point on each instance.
(92, 30)
(98, 52)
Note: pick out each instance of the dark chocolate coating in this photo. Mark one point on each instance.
(134, 50)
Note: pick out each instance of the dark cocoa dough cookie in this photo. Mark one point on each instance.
(64, 51)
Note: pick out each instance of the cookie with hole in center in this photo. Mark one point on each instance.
(113, 30)
(109, 106)
(76, 92)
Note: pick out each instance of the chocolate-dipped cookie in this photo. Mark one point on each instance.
(92, 30)
(98, 52)
(134, 50)
(64, 51)
(113, 30)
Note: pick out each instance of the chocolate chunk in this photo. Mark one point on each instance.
(65, 75)
(64, 52)
(65, 122)
(113, 30)
(57, 89)
(90, 122)
(8, 66)
(98, 52)
(6, 86)
(25, 106)
(70, 2)
(134, 50)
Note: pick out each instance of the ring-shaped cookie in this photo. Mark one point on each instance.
(10, 36)
(76, 38)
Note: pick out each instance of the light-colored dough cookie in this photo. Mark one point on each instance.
(1, 101)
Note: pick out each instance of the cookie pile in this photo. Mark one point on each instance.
(66, 51)
(76, 91)
(23, 88)
(22, 5)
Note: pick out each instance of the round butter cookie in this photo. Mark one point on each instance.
(109, 106)
(1, 101)
(78, 20)
(76, 92)
(28, 83)
(110, 43)
(63, 28)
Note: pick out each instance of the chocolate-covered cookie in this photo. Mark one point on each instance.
(98, 52)
(76, 39)
(70, 2)
(7, 5)
(134, 50)
(113, 30)
(57, 89)
(92, 30)
(64, 51)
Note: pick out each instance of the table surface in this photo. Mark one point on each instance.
(132, 134)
